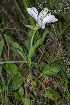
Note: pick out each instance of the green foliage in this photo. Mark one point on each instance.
(12, 69)
(68, 95)
(1, 46)
(16, 82)
(26, 101)
(49, 48)
(15, 46)
(32, 27)
(32, 49)
(56, 84)
(27, 42)
(52, 69)
(37, 43)
(21, 91)
(52, 94)
(42, 64)
(25, 3)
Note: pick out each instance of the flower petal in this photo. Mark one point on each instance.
(44, 10)
(49, 18)
(41, 15)
(42, 26)
(33, 12)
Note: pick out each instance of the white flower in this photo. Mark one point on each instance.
(43, 17)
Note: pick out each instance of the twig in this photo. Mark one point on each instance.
(6, 26)
(21, 12)
(8, 15)
(12, 29)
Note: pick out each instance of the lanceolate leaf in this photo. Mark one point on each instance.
(52, 94)
(15, 46)
(32, 27)
(21, 91)
(38, 43)
(32, 49)
(26, 101)
(51, 69)
(16, 82)
(12, 69)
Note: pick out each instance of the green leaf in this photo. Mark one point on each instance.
(27, 44)
(42, 64)
(51, 69)
(14, 44)
(21, 91)
(12, 69)
(52, 94)
(16, 82)
(14, 93)
(1, 46)
(33, 27)
(26, 101)
(12, 62)
(56, 84)
(32, 49)
(68, 95)
(38, 43)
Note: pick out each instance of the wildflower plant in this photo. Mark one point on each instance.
(41, 19)
(45, 60)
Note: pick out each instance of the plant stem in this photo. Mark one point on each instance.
(32, 43)
(30, 69)
(33, 37)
